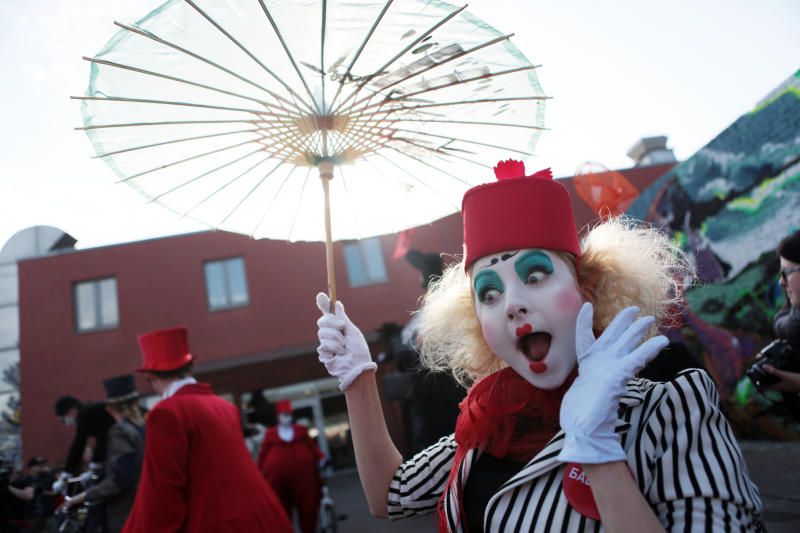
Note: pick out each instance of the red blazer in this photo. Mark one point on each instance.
(197, 475)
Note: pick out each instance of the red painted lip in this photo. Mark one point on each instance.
(524, 330)
(538, 367)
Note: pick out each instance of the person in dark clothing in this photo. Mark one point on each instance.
(263, 412)
(117, 490)
(90, 420)
(786, 322)
(675, 357)
(34, 497)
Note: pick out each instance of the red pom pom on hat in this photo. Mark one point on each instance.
(511, 168)
(518, 211)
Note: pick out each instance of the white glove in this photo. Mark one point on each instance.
(59, 485)
(589, 408)
(342, 347)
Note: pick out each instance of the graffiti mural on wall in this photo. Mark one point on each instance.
(728, 206)
(10, 417)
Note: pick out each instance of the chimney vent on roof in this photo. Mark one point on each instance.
(651, 151)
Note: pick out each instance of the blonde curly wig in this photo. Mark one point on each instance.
(622, 264)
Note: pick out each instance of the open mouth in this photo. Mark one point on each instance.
(535, 347)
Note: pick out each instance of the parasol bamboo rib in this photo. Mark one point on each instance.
(167, 123)
(218, 150)
(277, 193)
(377, 172)
(465, 81)
(322, 67)
(377, 72)
(233, 180)
(349, 134)
(356, 138)
(248, 52)
(154, 145)
(444, 62)
(425, 185)
(475, 122)
(256, 112)
(181, 80)
(467, 141)
(204, 174)
(253, 189)
(143, 33)
(438, 152)
(289, 55)
(466, 102)
(297, 208)
(468, 184)
(358, 52)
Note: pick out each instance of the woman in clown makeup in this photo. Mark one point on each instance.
(556, 432)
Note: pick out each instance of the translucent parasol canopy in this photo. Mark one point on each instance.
(222, 110)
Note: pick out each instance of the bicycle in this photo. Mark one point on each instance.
(328, 521)
(327, 512)
(79, 518)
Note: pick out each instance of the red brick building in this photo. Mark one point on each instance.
(248, 304)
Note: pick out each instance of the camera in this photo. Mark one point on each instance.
(778, 354)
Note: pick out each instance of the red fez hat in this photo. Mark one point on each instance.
(164, 350)
(518, 211)
(283, 406)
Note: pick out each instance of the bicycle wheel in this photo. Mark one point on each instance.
(328, 519)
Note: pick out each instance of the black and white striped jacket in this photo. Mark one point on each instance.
(680, 450)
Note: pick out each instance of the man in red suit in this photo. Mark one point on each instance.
(290, 461)
(197, 475)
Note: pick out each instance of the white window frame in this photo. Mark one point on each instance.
(97, 305)
(226, 284)
(359, 250)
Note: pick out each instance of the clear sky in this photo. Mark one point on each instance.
(617, 70)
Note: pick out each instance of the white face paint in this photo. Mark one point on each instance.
(285, 419)
(527, 302)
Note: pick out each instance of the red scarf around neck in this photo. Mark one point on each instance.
(505, 416)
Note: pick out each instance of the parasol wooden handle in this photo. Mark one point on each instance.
(326, 174)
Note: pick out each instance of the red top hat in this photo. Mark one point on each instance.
(283, 406)
(164, 350)
(518, 211)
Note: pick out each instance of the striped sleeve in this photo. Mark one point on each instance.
(694, 475)
(419, 482)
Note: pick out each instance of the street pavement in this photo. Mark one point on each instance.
(774, 467)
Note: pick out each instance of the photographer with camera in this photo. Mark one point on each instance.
(787, 319)
(34, 498)
(777, 367)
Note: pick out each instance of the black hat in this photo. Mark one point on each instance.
(120, 388)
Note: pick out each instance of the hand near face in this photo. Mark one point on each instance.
(605, 364)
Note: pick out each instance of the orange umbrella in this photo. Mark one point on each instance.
(606, 191)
